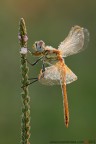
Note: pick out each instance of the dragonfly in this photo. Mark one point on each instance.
(57, 72)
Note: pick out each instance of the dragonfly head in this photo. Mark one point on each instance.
(39, 46)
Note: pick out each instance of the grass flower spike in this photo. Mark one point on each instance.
(25, 122)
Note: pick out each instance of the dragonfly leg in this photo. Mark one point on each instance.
(35, 79)
(43, 67)
(29, 51)
(32, 64)
(32, 78)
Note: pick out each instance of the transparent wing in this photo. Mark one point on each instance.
(51, 76)
(75, 42)
(70, 76)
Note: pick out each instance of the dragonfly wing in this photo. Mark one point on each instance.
(75, 42)
(51, 76)
(70, 76)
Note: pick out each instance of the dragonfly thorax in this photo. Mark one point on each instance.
(51, 55)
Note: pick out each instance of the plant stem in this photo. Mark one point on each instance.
(25, 122)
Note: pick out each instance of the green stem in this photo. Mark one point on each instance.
(25, 122)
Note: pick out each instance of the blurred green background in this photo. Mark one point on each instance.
(49, 20)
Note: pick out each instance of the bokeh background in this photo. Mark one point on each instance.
(49, 20)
